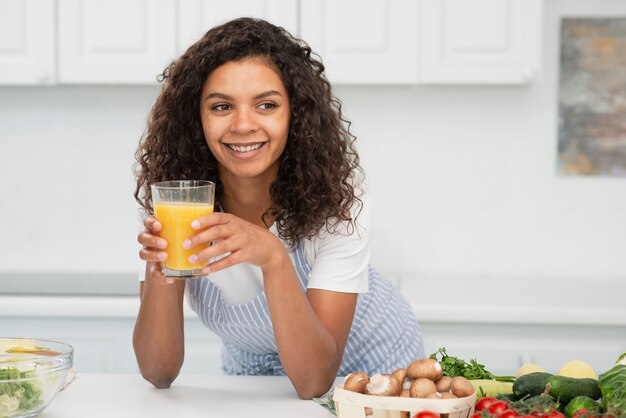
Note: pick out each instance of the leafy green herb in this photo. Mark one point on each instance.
(327, 401)
(454, 366)
(17, 395)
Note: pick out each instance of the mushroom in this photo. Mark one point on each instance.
(434, 395)
(427, 367)
(461, 387)
(447, 395)
(422, 387)
(443, 384)
(383, 385)
(400, 374)
(356, 382)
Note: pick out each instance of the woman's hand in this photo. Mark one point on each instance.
(152, 249)
(244, 241)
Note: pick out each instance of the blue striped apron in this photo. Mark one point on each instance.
(385, 334)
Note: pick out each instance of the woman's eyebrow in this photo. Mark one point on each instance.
(218, 95)
(267, 94)
(222, 96)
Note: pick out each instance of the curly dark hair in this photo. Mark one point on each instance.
(318, 168)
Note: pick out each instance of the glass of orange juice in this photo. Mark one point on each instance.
(176, 204)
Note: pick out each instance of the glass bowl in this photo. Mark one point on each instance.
(32, 372)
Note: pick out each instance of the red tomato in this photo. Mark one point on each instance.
(555, 414)
(498, 407)
(508, 413)
(580, 413)
(426, 414)
(477, 415)
(485, 403)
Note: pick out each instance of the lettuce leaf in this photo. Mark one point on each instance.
(613, 387)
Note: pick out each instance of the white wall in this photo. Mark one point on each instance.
(463, 178)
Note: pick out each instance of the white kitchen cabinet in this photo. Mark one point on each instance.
(195, 17)
(27, 42)
(480, 41)
(115, 41)
(363, 42)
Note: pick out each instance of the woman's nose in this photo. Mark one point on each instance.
(243, 122)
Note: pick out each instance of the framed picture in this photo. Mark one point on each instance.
(592, 97)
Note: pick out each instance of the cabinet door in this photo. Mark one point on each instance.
(480, 41)
(115, 41)
(198, 16)
(363, 42)
(26, 41)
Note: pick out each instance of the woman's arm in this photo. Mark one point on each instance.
(158, 338)
(311, 330)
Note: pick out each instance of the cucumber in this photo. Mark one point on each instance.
(531, 384)
(581, 402)
(564, 389)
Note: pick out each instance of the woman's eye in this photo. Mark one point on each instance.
(267, 106)
(220, 107)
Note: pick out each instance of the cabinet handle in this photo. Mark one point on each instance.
(42, 75)
(529, 74)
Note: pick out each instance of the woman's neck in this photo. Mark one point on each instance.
(246, 198)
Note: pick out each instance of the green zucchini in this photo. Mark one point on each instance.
(564, 389)
(531, 384)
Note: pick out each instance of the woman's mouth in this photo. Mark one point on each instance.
(245, 148)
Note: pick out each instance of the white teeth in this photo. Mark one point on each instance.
(246, 148)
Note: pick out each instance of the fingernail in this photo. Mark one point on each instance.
(193, 259)
(162, 256)
(206, 270)
(169, 280)
(161, 243)
(187, 244)
(157, 224)
(195, 225)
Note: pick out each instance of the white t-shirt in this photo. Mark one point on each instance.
(339, 262)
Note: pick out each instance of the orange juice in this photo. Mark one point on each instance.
(176, 218)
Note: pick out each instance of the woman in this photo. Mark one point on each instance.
(289, 288)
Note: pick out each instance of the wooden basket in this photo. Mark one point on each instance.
(352, 405)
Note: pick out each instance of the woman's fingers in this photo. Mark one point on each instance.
(152, 224)
(212, 219)
(151, 242)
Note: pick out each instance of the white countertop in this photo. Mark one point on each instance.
(130, 396)
(435, 299)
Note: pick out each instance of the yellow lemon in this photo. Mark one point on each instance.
(578, 369)
(529, 368)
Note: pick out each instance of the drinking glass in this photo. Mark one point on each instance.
(176, 204)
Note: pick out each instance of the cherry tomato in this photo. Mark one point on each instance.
(477, 415)
(498, 407)
(508, 413)
(580, 413)
(426, 414)
(485, 403)
(555, 414)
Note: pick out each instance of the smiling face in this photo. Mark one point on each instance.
(245, 118)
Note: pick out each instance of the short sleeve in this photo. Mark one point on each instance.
(341, 256)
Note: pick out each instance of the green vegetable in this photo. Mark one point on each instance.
(453, 366)
(16, 395)
(531, 384)
(564, 389)
(581, 402)
(613, 387)
(540, 403)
